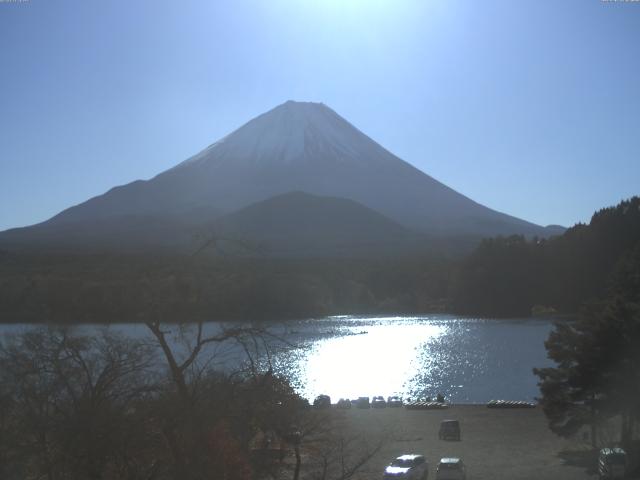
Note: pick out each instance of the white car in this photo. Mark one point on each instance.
(451, 468)
(407, 467)
(378, 402)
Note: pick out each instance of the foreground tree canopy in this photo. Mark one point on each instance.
(112, 408)
(597, 377)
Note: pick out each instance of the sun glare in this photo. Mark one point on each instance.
(381, 355)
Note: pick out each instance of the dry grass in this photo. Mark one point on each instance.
(496, 444)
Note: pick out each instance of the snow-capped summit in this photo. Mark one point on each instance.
(292, 131)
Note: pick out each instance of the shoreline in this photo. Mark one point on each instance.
(278, 320)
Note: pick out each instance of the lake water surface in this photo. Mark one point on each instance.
(468, 360)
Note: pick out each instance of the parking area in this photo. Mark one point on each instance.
(496, 443)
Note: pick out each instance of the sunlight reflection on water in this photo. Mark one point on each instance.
(370, 363)
(468, 360)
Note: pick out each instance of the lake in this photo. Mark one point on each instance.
(469, 360)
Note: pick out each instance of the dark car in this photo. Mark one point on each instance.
(612, 463)
(343, 403)
(451, 468)
(394, 401)
(322, 401)
(362, 402)
(449, 430)
(378, 402)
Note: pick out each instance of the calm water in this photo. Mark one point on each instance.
(468, 360)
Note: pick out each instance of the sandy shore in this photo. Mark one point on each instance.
(496, 443)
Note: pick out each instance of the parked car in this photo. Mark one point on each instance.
(322, 401)
(451, 468)
(612, 463)
(362, 402)
(449, 430)
(343, 403)
(407, 467)
(394, 401)
(378, 402)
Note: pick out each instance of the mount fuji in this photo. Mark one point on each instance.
(295, 147)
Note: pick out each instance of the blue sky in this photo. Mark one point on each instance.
(529, 107)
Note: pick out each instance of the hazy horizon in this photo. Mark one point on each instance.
(528, 108)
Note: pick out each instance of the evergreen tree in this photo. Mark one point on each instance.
(597, 375)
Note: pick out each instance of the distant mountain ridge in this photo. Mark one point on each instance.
(300, 224)
(295, 147)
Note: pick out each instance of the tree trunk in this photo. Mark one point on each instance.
(176, 371)
(594, 427)
(296, 473)
(179, 466)
(626, 428)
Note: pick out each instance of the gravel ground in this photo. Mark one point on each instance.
(496, 443)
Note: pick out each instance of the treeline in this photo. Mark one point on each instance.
(504, 276)
(130, 288)
(513, 275)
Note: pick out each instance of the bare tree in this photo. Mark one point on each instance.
(180, 365)
(71, 400)
(326, 447)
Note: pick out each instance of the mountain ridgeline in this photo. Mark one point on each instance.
(298, 224)
(296, 147)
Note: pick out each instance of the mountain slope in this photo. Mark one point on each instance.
(299, 224)
(296, 146)
(130, 233)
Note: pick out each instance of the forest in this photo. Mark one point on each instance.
(502, 277)
(513, 276)
(124, 288)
